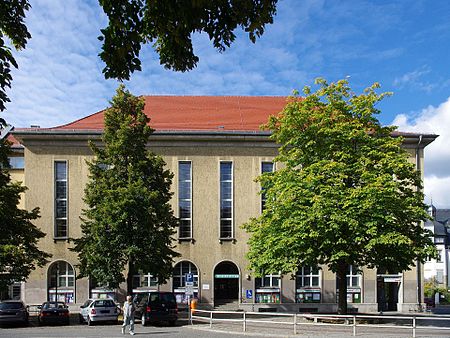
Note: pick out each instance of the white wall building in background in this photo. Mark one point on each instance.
(439, 268)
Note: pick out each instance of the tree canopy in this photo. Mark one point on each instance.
(12, 26)
(128, 222)
(19, 253)
(345, 193)
(169, 26)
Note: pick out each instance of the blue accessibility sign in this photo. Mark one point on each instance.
(249, 294)
(189, 278)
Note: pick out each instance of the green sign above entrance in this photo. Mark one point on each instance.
(226, 276)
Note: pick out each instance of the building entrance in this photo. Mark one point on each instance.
(226, 283)
(387, 292)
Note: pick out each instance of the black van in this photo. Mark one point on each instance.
(156, 306)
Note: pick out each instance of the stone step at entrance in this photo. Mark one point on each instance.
(227, 305)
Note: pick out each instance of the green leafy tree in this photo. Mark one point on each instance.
(12, 15)
(19, 253)
(168, 25)
(128, 223)
(346, 193)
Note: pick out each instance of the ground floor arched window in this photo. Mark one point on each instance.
(61, 282)
(180, 271)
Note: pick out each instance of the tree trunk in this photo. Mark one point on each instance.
(341, 275)
(130, 277)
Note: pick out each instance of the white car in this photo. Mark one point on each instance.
(99, 310)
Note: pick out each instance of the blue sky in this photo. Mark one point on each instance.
(404, 45)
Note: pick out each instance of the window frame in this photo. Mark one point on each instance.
(191, 235)
(61, 274)
(271, 285)
(181, 277)
(56, 199)
(230, 219)
(13, 160)
(263, 197)
(309, 276)
(152, 281)
(353, 273)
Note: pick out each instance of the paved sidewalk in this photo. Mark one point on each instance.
(315, 330)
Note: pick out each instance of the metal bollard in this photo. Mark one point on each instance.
(414, 326)
(244, 328)
(354, 326)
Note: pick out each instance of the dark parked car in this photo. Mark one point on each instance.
(13, 311)
(156, 306)
(53, 313)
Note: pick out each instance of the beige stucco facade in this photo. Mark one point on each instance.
(205, 250)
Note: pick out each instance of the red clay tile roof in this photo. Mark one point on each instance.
(14, 142)
(240, 113)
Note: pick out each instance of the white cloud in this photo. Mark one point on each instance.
(414, 80)
(435, 120)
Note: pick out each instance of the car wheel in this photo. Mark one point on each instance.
(80, 319)
(172, 322)
(143, 320)
(89, 321)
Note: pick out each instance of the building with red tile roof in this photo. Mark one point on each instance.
(202, 140)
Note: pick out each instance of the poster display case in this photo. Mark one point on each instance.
(308, 295)
(268, 295)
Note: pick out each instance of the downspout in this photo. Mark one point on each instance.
(419, 270)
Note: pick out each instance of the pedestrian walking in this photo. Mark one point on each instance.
(128, 316)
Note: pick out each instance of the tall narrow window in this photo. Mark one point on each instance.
(61, 199)
(185, 199)
(266, 167)
(226, 200)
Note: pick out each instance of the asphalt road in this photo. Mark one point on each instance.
(105, 331)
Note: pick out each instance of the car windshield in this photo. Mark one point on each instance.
(167, 298)
(104, 303)
(86, 303)
(10, 306)
(55, 305)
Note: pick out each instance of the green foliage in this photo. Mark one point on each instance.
(128, 222)
(12, 15)
(19, 253)
(431, 287)
(168, 25)
(346, 193)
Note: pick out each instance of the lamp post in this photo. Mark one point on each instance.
(57, 277)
